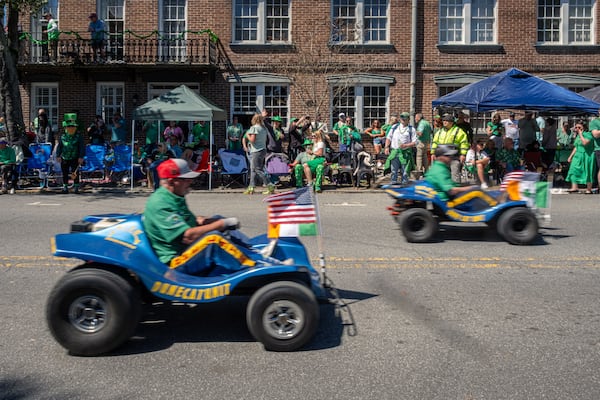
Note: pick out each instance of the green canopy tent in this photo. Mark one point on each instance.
(180, 104)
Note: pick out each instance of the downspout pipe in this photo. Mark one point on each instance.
(413, 62)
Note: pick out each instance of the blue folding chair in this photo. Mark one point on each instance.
(38, 165)
(121, 167)
(93, 167)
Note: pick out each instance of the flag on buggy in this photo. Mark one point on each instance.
(523, 185)
(292, 214)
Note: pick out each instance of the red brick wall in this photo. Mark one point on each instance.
(310, 23)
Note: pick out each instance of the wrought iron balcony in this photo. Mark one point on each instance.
(138, 51)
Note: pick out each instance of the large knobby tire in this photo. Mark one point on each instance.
(283, 316)
(418, 225)
(518, 226)
(92, 311)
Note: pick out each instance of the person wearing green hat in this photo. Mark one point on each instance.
(303, 157)
(70, 152)
(275, 145)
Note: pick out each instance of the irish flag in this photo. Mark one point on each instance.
(523, 185)
(292, 213)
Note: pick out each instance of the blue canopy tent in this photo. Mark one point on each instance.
(517, 90)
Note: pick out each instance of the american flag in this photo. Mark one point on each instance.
(518, 176)
(293, 207)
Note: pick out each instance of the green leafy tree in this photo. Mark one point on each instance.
(10, 97)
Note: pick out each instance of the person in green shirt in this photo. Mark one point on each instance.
(424, 133)
(8, 161)
(188, 243)
(235, 131)
(53, 35)
(70, 152)
(439, 175)
(595, 130)
(201, 132)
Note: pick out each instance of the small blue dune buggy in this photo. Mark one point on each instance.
(96, 306)
(418, 208)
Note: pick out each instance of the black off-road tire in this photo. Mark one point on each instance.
(418, 225)
(518, 226)
(283, 316)
(92, 311)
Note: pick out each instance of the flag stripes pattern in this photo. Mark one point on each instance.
(292, 207)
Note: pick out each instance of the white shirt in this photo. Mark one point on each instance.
(511, 128)
(317, 146)
(401, 134)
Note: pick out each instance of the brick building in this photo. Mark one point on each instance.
(299, 57)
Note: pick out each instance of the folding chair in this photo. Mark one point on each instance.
(234, 168)
(38, 164)
(93, 167)
(205, 168)
(121, 168)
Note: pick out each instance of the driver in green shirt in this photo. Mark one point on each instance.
(439, 175)
(191, 244)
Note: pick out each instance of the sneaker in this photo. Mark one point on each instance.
(12, 191)
(249, 190)
(484, 185)
(318, 190)
(270, 190)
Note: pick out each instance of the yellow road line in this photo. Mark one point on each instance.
(369, 262)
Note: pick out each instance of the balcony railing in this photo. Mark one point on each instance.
(143, 51)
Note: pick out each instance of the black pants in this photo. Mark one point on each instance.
(9, 178)
(68, 166)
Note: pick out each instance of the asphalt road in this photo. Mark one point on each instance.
(467, 317)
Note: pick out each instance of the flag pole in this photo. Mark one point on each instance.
(315, 200)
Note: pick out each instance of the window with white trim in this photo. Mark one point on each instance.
(363, 103)
(39, 49)
(113, 14)
(359, 21)
(110, 98)
(173, 26)
(467, 21)
(45, 95)
(261, 21)
(250, 98)
(563, 22)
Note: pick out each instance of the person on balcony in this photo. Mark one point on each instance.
(97, 29)
(53, 34)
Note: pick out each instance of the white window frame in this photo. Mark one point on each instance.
(259, 81)
(50, 106)
(358, 112)
(566, 21)
(173, 51)
(112, 12)
(114, 105)
(466, 18)
(359, 82)
(359, 25)
(261, 23)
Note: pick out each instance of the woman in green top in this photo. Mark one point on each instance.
(376, 132)
(582, 161)
(234, 135)
(495, 130)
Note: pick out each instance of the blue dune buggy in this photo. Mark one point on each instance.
(418, 208)
(96, 306)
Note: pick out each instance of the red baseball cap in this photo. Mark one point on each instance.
(175, 168)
